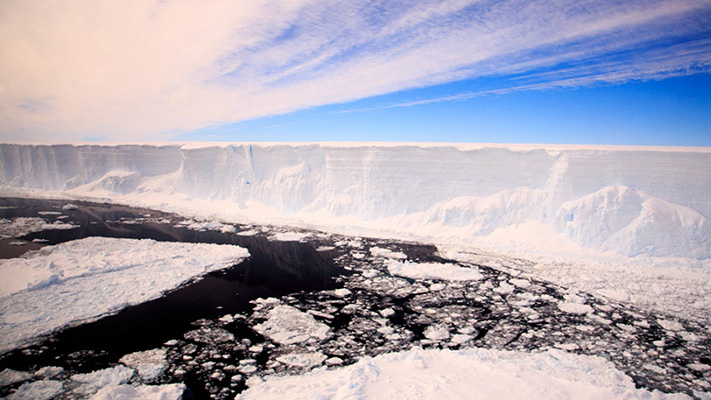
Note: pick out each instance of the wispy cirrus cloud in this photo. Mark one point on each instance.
(148, 70)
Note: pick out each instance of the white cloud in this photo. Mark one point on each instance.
(145, 70)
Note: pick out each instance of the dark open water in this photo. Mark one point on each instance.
(273, 269)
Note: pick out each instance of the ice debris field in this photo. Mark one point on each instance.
(565, 266)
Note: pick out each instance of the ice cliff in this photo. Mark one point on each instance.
(635, 201)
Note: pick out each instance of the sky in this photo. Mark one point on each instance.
(521, 71)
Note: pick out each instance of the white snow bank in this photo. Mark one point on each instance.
(84, 279)
(447, 272)
(446, 374)
(635, 201)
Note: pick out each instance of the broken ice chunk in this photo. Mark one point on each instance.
(288, 325)
(575, 308)
(149, 364)
(437, 332)
(448, 272)
(385, 253)
(302, 360)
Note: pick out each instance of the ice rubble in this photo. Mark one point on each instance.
(432, 271)
(105, 384)
(16, 227)
(65, 277)
(446, 374)
(666, 285)
(631, 200)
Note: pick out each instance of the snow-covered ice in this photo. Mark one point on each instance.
(94, 381)
(172, 391)
(451, 272)
(105, 384)
(635, 201)
(629, 223)
(380, 252)
(303, 360)
(21, 226)
(38, 390)
(289, 236)
(90, 277)
(287, 325)
(575, 308)
(445, 374)
(9, 376)
(149, 364)
(677, 286)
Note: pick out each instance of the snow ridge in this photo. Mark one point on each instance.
(632, 201)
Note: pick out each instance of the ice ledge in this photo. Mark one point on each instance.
(631, 200)
(346, 144)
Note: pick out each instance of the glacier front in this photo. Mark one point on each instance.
(634, 201)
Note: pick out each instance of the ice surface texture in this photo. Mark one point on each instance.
(634, 201)
(34, 289)
(445, 374)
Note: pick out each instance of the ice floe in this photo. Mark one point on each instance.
(172, 391)
(38, 390)
(149, 364)
(83, 279)
(452, 272)
(288, 325)
(21, 226)
(445, 374)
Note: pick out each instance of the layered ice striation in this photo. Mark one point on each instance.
(630, 200)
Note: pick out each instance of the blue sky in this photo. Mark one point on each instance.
(670, 112)
(523, 71)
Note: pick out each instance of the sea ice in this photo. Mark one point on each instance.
(289, 236)
(92, 382)
(385, 253)
(38, 390)
(149, 364)
(437, 332)
(21, 226)
(451, 272)
(9, 376)
(83, 279)
(438, 374)
(172, 391)
(575, 308)
(302, 360)
(287, 325)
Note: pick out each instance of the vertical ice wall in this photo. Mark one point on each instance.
(633, 200)
(56, 167)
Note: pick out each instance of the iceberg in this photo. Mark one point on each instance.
(633, 201)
